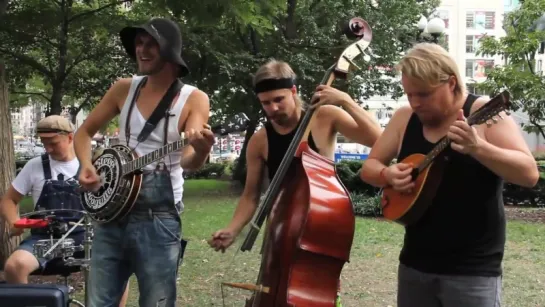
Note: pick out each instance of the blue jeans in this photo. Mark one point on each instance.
(147, 245)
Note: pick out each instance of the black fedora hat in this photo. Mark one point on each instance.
(167, 34)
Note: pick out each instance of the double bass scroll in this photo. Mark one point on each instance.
(311, 220)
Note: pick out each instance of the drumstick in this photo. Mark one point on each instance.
(64, 237)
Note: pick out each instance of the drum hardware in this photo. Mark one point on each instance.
(62, 239)
(46, 219)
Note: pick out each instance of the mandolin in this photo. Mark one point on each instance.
(408, 208)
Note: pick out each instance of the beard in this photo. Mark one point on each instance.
(431, 121)
(280, 119)
(152, 69)
(434, 119)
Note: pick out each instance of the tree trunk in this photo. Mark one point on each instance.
(7, 165)
(3, 6)
(239, 174)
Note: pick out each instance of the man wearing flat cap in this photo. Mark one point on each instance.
(51, 179)
(147, 241)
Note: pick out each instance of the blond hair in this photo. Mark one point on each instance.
(275, 69)
(431, 64)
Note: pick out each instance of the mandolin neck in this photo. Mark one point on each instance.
(432, 155)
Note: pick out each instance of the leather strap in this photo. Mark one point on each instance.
(162, 110)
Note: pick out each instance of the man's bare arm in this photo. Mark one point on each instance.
(199, 112)
(8, 206)
(104, 112)
(249, 200)
(385, 148)
(353, 122)
(505, 153)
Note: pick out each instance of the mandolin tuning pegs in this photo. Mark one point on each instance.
(494, 120)
(507, 113)
(488, 123)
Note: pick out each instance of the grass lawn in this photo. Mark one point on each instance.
(368, 280)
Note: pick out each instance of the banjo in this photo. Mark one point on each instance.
(120, 170)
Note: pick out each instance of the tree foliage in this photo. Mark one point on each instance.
(518, 49)
(307, 34)
(66, 44)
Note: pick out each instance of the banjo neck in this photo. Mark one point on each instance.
(140, 162)
(121, 180)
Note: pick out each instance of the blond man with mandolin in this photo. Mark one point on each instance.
(454, 150)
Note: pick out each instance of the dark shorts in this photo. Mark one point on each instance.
(28, 245)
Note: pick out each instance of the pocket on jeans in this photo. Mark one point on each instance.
(169, 227)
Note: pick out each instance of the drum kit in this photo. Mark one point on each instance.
(59, 248)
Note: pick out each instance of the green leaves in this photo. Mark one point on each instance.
(71, 48)
(518, 49)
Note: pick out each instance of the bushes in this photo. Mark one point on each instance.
(209, 170)
(365, 197)
(539, 156)
(526, 197)
(366, 205)
(349, 174)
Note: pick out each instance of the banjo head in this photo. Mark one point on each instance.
(109, 166)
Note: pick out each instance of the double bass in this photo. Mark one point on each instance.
(311, 219)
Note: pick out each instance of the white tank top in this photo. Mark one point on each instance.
(155, 139)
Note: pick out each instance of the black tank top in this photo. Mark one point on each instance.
(279, 144)
(463, 231)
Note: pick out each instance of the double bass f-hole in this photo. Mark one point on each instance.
(294, 247)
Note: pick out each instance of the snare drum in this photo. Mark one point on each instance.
(63, 250)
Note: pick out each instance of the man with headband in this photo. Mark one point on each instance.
(274, 85)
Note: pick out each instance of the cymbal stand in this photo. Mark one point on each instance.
(86, 261)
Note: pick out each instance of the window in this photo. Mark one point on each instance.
(477, 68)
(473, 42)
(470, 20)
(470, 47)
(539, 67)
(480, 20)
(472, 89)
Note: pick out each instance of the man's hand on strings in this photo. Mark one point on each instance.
(222, 239)
(464, 137)
(88, 178)
(202, 141)
(326, 94)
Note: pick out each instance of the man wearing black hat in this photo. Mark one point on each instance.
(147, 241)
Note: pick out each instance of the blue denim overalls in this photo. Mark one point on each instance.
(62, 193)
(146, 242)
